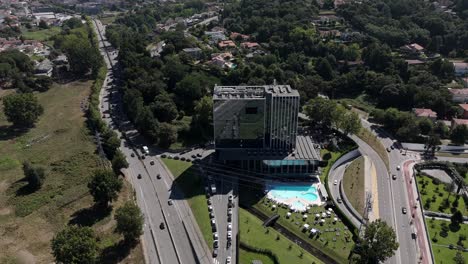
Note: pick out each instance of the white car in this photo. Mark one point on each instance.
(229, 235)
(210, 208)
(229, 212)
(335, 182)
(228, 260)
(215, 236)
(229, 228)
(398, 167)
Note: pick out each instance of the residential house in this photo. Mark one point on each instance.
(424, 112)
(195, 53)
(461, 68)
(250, 45)
(459, 95)
(223, 60)
(414, 48)
(155, 50)
(457, 122)
(215, 36)
(464, 110)
(226, 44)
(239, 36)
(44, 67)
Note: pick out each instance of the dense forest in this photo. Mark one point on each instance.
(161, 91)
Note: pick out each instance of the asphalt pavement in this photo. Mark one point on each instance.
(170, 231)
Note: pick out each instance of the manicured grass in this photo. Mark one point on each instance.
(353, 184)
(61, 143)
(434, 196)
(188, 179)
(372, 141)
(452, 155)
(253, 234)
(338, 250)
(41, 34)
(442, 253)
(333, 156)
(246, 257)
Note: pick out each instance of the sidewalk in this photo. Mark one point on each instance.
(417, 214)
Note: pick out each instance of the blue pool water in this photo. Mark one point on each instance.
(306, 192)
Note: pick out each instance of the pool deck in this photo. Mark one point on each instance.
(291, 201)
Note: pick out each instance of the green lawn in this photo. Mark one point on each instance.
(353, 184)
(253, 234)
(338, 250)
(188, 179)
(442, 253)
(246, 257)
(41, 34)
(434, 196)
(333, 156)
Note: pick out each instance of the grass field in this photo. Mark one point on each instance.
(433, 196)
(333, 156)
(41, 34)
(372, 141)
(252, 233)
(452, 155)
(246, 257)
(188, 179)
(62, 143)
(353, 184)
(442, 253)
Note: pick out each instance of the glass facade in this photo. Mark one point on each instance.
(239, 123)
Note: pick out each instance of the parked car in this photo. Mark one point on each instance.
(216, 244)
(403, 210)
(169, 202)
(199, 155)
(163, 156)
(388, 150)
(228, 260)
(158, 176)
(394, 176)
(132, 155)
(398, 167)
(215, 236)
(162, 226)
(194, 156)
(176, 158)
(229, 212)
(210, 208)
(139, 176)
(335, 182)
(339, 200)
(152, 162)
(215, 253)
(229, 227)
(212, 215)
(182, 159)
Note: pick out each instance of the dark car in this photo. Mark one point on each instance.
(139, 176)
(182, 159)
(194, 156)
(162, 226)
(215, 253)
(163, 156)
(158, 176)
(394, 176)
(132, 155)
(403, 210)
(392, 147)
(199, 155)
(176, 158)
(169, 202)
(152, 162)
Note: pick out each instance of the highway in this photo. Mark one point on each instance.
(171, 234)
(393, 196)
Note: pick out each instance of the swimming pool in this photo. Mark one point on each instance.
(307, 192)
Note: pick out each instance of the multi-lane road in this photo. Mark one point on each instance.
(171, 234)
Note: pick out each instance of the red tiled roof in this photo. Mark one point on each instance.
(423, 112)
(464, 107)
(457, 121)
(226, 43)
(249, 45)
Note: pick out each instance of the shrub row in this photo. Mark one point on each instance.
(263, 251)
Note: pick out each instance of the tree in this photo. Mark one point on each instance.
(111, 143)
(75, 245)
(82, 56)
(104, 187)
(42, 83)
(129, 221)
(164, 108)
(324, 68)
(350, 123)
(43, 24)
(457, 218)
(425, 125)
(459, 134)
(378, 243)
(432, 141)
(167, 135)
(202, 121)
(22, 110)
(119, 162)
(35, 175)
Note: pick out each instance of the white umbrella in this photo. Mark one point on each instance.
(273, 206)
(304, 216)
(328, 213)
(330, 209)
(288, 214)
(324, 215)
(335, 219)
(308, 207)
(317, 215)
(306, 226)
(313, 230)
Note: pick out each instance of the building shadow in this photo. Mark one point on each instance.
(190, 182)
(89, 216)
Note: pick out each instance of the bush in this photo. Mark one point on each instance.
(34, 174)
